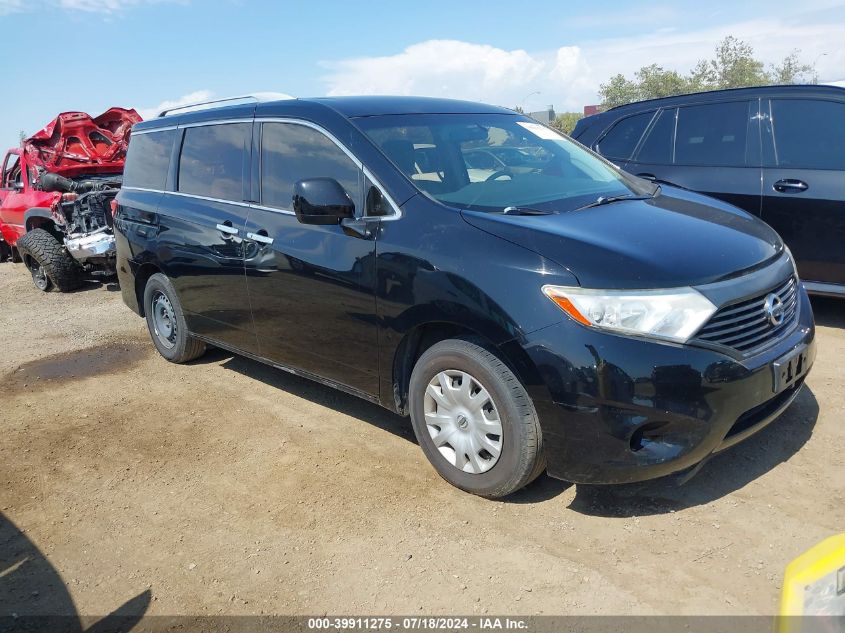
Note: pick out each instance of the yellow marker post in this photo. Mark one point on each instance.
(814, 585)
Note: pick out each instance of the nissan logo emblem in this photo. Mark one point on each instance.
(774, 309)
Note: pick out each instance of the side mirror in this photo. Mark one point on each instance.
(321, 201)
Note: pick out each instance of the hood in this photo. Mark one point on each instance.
(75, 144)
(678, 238)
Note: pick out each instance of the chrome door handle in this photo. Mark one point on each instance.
(790, 184)
(257, 237)
(225, 228)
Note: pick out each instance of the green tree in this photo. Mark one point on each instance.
(618, 91)
(792, 71)
(657, 82)
(732, 66)
(565, 122)
(22, 136)
(650, 82)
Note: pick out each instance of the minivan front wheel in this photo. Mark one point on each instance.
(166, 322)
(474, 420)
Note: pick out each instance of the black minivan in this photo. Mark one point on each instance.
(553, 314)
(777, 152)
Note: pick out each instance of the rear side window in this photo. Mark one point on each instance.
(657, 148)
(713, 134)
(292, 152)
(11, 170)
(809, 134)
(148, 160)
(213, 160)
(623, 137)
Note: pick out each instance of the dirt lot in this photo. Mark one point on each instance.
(229, 487)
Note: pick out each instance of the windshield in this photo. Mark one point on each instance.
(488, 162)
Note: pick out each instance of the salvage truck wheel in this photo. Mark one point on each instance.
(474, 420)
(166, 322)
(48, 261)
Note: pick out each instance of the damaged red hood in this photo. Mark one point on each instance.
(74, 143)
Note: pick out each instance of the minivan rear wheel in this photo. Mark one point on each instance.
(474, 420)
(166, 322)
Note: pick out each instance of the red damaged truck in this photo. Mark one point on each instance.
(56, 193)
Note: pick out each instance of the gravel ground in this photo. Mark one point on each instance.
(227, 487)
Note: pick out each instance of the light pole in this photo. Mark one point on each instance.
(814, 71)
(530, 94)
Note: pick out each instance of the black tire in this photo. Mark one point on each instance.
(521, 459)
(176, 344)
(49, 262)
(5, 251)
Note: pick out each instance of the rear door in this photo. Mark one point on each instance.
(201, 239)
(712, 148)
(804, 183)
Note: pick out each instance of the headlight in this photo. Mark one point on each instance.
(673, 314)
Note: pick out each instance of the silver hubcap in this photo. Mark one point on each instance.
(164, 320)
(463, 421)
(39, 276)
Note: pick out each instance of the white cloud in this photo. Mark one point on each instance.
(637, 15)
(569, 77)
(104, 6)
(197, 96)
(11, 6)
(87, 6)
(439, 67)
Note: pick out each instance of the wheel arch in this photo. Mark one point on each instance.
(424, 335)
(39, 218)
(142, 276)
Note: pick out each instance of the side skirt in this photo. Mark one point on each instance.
(292, 370)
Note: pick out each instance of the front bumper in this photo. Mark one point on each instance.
(616, 409)
(98, 245)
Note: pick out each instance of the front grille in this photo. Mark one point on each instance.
(745, 326)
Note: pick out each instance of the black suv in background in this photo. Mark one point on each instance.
(557, 315)
(777, 151)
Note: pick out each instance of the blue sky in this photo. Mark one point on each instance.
(91, 54)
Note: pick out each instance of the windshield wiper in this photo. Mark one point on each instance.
(525, 211)
(602, 200)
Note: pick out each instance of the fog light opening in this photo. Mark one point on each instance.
(645, 435)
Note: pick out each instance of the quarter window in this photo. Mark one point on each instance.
(623, 137)
(213, 160)
(657, 148)
(809, 134)
(713, 134)
(148, 160)
(291, 152)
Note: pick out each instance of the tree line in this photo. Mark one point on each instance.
(733, 65)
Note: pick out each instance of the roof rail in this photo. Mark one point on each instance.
(258, 97)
